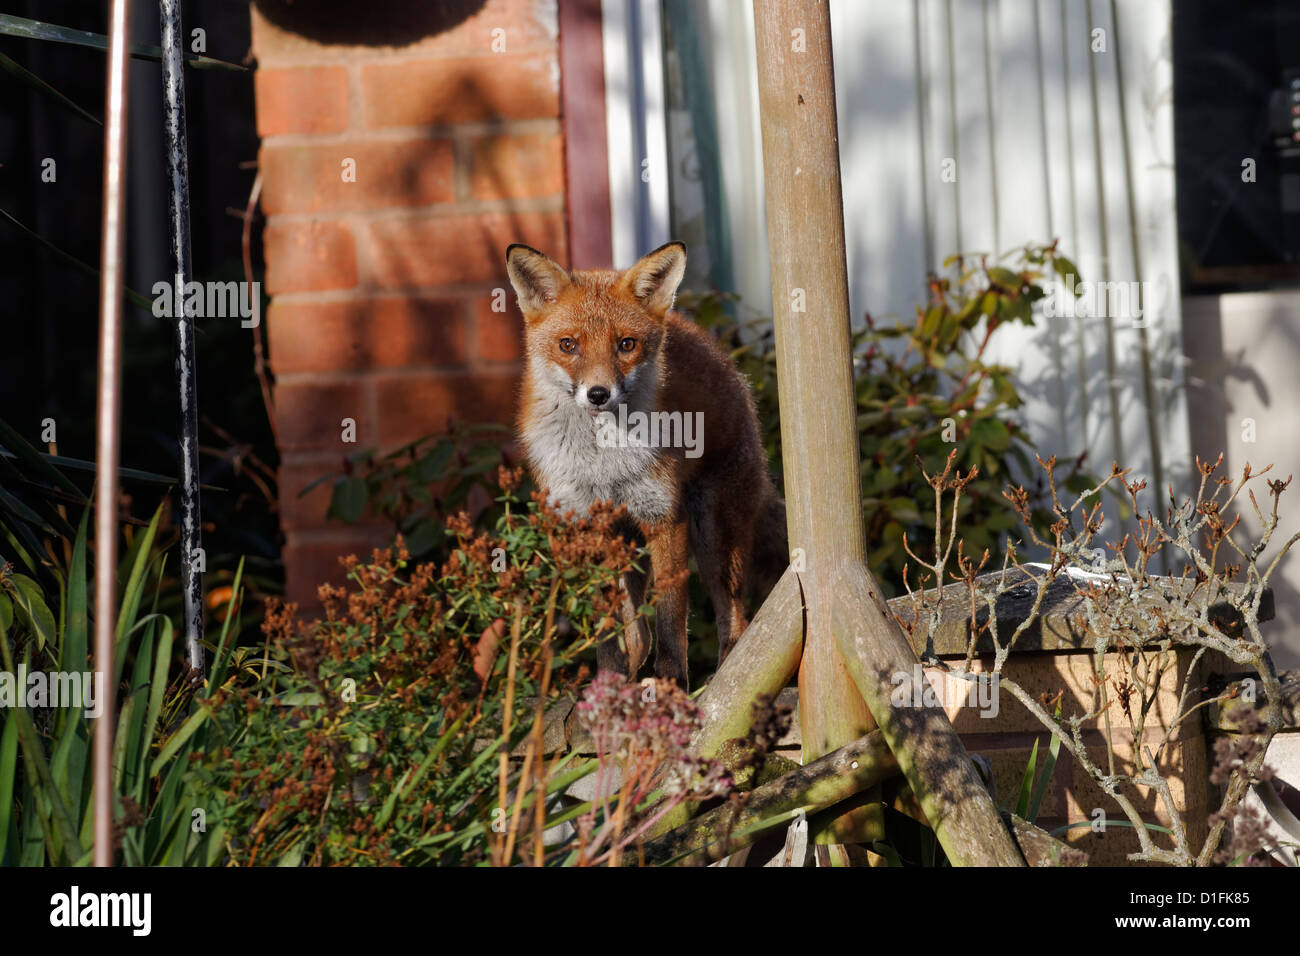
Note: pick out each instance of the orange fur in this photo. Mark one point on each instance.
(601, 344)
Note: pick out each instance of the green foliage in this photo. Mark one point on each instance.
(37, 490)
(11, 25)
(1034, 782)
(46, 806)
(419, 486)
(380, 739)
(921, 390)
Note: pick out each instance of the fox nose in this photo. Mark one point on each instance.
(598, 395)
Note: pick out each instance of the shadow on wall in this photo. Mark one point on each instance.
(378, 23)
(458, 247)
(444, 264)
(1241, 397)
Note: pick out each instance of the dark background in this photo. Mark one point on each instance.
(1233, 67)
(49, 310)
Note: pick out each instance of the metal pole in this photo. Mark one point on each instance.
(108, 422)
(178, 205)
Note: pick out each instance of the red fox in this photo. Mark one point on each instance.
(627, 401)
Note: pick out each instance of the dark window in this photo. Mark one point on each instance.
(1237, 98)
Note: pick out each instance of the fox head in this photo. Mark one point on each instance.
(594, 337)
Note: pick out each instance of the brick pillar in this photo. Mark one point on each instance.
(382, 288)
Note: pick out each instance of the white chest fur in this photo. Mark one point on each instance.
(580, 469)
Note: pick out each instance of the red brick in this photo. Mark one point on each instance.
(309, 256)
(517, 167)
(416, 406)
(309, 415)
(464, 89)
(309, 178)
(299, 511)
(441, 250)
(312, 561)
(306, 100)
(389, 332)
(500, 334)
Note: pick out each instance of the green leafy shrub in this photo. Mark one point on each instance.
(46, 810)
(382, 739)
(921, 390)
(422, 485)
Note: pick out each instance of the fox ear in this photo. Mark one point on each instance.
(655, 278)
(538, 280)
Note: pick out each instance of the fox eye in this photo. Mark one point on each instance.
(626, 344)
(567, 344)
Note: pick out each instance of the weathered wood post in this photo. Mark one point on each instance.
(852, 647)
(810, 299)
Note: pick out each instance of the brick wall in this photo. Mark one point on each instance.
(382, 288)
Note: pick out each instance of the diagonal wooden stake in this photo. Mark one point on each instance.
(929, 752)
(763, 662)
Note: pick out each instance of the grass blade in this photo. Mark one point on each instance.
(135, 298)
(31, 845)
(404, 785)
(74, 654)
(177, 740)
(157, 690)
(38, 771)
(8, 777)
(19, 446)
(133, 738)
(220, 656)
(1044, 778)
(1027, 782)
(130, 603)
(32, 81)
(29, 602)
(36, 30)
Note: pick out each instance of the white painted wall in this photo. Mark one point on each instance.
(1059, 116)
(1242, 381)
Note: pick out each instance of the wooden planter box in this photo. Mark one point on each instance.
(1055, 655)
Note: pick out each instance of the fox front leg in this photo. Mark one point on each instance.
(624, 653)
(669, 553)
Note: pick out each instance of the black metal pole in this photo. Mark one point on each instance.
(178, 205)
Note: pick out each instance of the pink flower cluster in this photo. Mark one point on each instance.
(647, 726)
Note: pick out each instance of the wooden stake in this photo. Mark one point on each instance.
(761, 663)
(838, 776)
(840, 695)
(810, 298)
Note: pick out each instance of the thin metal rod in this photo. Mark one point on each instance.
(108, 422)
(178, 206)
